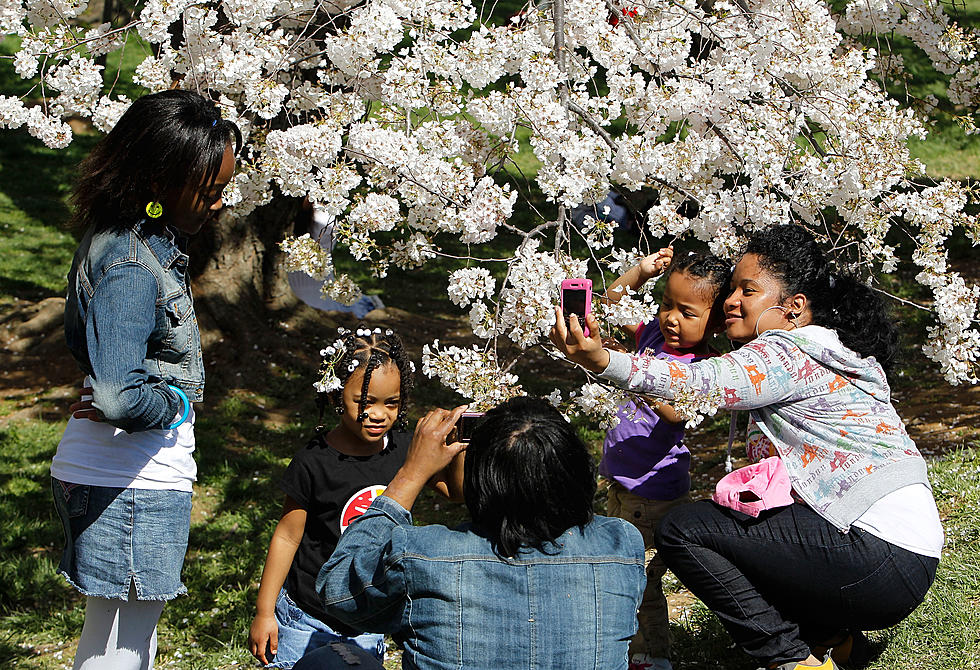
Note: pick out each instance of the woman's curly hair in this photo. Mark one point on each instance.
(839, 301)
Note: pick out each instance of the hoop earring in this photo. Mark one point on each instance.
(763, 313)
(154, 209)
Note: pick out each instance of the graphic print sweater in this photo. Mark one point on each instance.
(825, 410)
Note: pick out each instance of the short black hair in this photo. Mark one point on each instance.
(838, 300)
(528, 477)
(162, 143)
(714, 275)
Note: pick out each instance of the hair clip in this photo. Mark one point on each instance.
(214, 123)
(831, 281)
(332, 355)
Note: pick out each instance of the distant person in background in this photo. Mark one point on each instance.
(536, 581)
(123, 471)
(320, 225)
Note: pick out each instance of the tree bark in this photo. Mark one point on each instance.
(237, 275)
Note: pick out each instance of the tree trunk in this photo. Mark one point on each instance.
(238, 280)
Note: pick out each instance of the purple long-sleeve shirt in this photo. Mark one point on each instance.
(643, 454)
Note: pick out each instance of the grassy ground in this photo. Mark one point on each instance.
(236, 504)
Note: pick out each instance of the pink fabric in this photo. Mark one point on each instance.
(765, 484)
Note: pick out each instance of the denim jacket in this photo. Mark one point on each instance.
(130, 324)
(457, 605)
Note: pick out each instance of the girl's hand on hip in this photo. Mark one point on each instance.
(83, 407)
(572, 342)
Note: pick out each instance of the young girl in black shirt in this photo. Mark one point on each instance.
(366, 378)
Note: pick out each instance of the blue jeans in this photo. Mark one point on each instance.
(115, 536)
(300, 634)
(788, 580)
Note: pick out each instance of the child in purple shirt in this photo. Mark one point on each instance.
(644, 457)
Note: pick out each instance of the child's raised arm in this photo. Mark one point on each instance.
(638, 275)
(264, 633)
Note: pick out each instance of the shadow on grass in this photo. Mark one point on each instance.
(32, 596)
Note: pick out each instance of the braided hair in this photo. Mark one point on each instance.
(838, 301)
(714, 275)
(368, 349)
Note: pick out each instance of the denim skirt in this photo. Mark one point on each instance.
(115, 537)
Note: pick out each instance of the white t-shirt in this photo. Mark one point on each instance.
(99, 454)
(908, 518)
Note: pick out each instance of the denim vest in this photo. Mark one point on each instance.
(130, 324)
(457, 605)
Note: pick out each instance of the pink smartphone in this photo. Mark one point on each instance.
(576, 298)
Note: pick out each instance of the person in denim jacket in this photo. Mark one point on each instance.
(123, 471)
(534, 581)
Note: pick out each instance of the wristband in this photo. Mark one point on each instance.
(187, 406)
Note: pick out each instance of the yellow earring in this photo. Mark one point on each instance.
(154, 209)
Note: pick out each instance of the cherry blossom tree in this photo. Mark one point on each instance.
(403, 119)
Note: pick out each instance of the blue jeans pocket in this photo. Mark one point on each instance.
(882, 598)
(73, 498)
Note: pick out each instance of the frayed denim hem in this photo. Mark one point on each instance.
(182, 591)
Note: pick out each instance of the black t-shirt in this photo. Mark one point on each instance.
(334, 489)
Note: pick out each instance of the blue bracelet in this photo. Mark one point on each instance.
(187, 406)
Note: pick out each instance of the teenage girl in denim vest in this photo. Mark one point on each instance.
(123, 472)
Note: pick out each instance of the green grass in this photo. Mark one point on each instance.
(942, 634)
(36, 247)
(237, 504)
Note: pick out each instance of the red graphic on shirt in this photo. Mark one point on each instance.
(810, 369)
(358, 504)
(841, 460)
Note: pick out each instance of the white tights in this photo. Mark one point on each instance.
(119, 634)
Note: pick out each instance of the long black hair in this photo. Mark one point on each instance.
(372, 348)
(164, 142)
(528, 477)
(838, 300)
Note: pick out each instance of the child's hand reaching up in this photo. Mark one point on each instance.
(654, 264)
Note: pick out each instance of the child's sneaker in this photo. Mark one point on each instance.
(645, 662)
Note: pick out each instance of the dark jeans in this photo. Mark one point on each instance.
(338, 656)
(788, 579)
